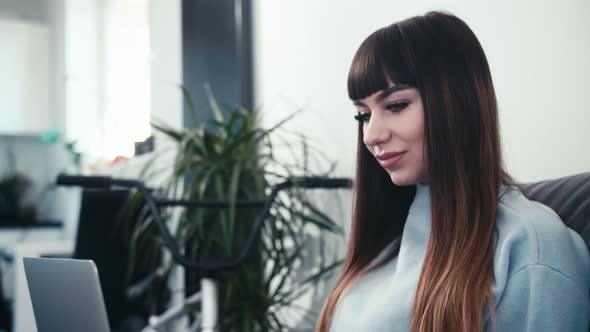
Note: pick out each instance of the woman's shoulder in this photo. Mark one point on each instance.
(530, 233)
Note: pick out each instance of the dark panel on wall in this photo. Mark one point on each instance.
(217, 49)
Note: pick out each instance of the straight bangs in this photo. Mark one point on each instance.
(381, 60)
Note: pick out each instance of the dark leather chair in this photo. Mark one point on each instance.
(569, 197)
(101, 238)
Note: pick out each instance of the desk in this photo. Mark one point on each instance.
(34, 240)
(15, 233)
(18, 225)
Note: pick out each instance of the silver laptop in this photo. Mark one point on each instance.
(66, 295)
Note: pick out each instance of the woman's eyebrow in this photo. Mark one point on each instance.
(384, 93)
(390, 90)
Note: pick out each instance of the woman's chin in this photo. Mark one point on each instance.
(400, 179)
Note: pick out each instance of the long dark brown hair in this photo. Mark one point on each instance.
(439, 55)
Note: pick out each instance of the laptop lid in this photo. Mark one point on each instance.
(66, 295)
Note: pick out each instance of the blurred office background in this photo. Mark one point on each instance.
(95, 72)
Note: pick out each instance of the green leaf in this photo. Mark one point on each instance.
(167, 131)
(190, 105)
(217, 113)
(322, 220)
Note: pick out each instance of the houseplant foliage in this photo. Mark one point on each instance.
(13, 187)
(231, 158)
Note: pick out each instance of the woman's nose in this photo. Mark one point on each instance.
(376, 131)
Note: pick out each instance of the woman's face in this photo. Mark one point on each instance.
(393, 130)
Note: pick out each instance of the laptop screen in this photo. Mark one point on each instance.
(66, 295)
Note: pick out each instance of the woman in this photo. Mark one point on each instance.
(440, 238)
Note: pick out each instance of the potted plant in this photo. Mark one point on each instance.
(232, 158)
(13, 188)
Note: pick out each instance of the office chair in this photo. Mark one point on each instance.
(100, 239)
(569, 197)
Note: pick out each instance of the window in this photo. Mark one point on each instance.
(107, 75)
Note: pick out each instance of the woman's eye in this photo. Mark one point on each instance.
(363, 117)
(398, 106)
(393, 107)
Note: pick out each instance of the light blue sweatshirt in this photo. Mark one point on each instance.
(541, 273)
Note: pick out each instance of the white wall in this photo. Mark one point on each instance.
(165, 20)
(537, 51)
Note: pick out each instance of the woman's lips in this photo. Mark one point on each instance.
(388, 160)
